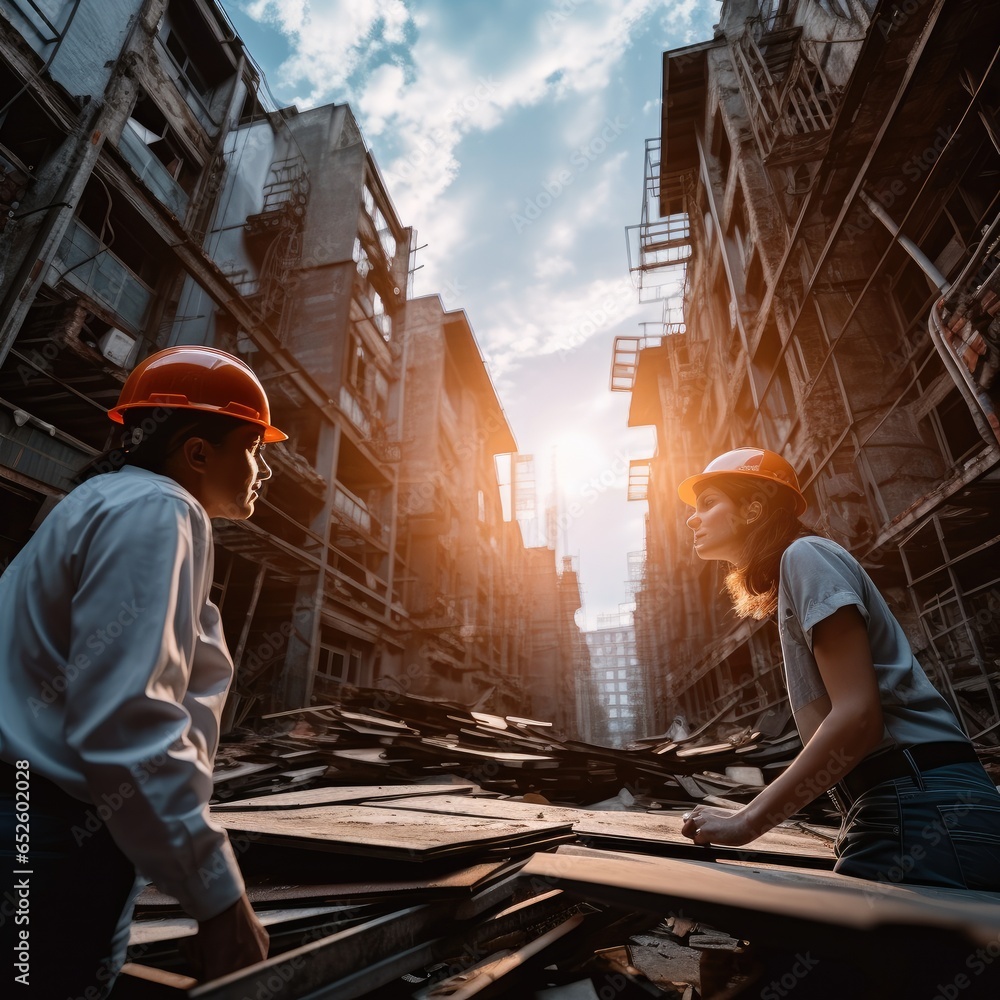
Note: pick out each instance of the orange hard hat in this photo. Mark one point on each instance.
(197, 378)
(758, 463)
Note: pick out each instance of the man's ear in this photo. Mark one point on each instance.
(196, 452)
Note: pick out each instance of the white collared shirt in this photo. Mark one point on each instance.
(114, 672)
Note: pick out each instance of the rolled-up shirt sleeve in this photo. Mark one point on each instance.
(817, 581)
(137, 622)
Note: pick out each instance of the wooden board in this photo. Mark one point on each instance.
(650, 826)
(266, 892)
(388, 832)
(333, 794)
(146, 932)
(765, 902)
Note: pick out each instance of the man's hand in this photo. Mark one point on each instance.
(232, 940)
(705, 825)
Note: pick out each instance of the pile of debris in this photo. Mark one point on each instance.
(371, 737)
(433, 852)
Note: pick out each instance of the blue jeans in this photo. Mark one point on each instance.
(941, 828)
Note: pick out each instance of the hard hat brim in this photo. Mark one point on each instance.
(688, 489)
(270, 433)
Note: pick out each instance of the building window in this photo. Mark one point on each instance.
(340, 663)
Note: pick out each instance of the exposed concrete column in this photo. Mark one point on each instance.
(307, 615)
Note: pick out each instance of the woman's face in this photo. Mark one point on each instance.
(719, 526)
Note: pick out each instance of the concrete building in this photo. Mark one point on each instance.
(820, 222)
(616, 683)
(461, 571)
(557, 656)
(153, 196)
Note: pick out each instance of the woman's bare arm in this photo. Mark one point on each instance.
(851, 730)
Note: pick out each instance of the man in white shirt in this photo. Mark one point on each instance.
(113, 674)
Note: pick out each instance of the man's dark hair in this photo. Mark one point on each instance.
(151, 435)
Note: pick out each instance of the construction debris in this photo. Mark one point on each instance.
(428, 851)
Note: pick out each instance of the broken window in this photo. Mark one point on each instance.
(26, 138)
(195, 58)
(26, 133)
(161, 161)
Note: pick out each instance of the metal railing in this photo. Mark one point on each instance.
(93, 269)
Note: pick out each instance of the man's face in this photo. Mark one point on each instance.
(235, 474)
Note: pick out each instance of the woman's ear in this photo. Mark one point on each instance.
(754, 511)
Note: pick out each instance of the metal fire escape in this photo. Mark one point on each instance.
(791, 101)
(275, 234)
(658, 249)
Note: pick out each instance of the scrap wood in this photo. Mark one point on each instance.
(379, 737)
(389, 832)
(807, 905)
(331, 794)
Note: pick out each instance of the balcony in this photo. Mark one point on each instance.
(625, 354)
(48, 456)
(638, 478)
(85, 263)
(659, 247)
(151, 171)
(791, 101)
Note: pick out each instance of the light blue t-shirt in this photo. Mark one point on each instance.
(817, 578)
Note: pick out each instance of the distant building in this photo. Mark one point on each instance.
(557, 653)
(820, 222)
(616, 684)
(459, 584)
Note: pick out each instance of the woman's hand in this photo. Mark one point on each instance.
(705, 825)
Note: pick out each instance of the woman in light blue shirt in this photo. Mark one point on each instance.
(918, 806)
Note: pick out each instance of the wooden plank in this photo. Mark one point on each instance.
(386, 831)
(652, 826)
(793, 905)
(335, 794)
(152, 931)
(265, 892)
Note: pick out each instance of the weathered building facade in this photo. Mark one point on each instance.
(154, 197)
(462, 582)
(821, 220)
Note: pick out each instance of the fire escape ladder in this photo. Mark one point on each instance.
(658, 248)
(790, 99)
(624, 360)
(277, 228)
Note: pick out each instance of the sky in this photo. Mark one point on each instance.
(511, 136)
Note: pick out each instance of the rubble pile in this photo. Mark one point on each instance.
(424, 850)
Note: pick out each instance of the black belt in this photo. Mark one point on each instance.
(910, 762)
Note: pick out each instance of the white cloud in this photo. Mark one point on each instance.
(549, 265)
(538, 322)
(569, 49)
(330, 40)
(380, 98)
